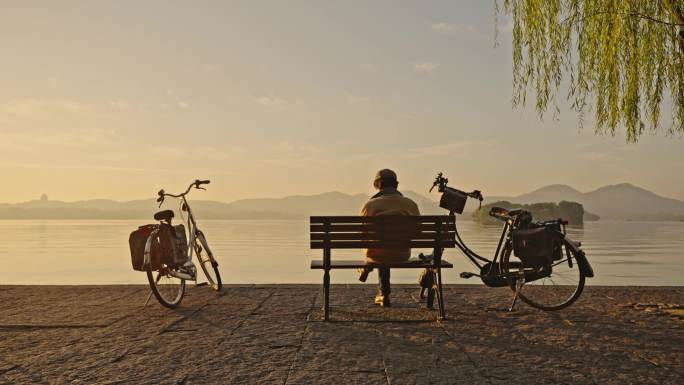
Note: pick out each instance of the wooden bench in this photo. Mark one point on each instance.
(435, 232)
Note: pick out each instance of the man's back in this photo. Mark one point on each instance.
(394, 204)
(389, 202)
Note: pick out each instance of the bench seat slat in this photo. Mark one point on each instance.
(445, 219)
(423, 235)
(369, 227)
(419, 244)
(349, 264)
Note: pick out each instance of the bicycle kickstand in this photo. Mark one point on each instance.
(148, 298)
(518, 285)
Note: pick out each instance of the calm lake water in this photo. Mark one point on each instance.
(277, 251)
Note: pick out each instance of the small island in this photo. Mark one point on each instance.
(573, 212)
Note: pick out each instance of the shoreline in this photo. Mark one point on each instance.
(142, 283)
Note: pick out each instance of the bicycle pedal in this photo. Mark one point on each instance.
(466, 275)
(202, 284)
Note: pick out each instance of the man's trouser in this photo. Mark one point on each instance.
(384, 279)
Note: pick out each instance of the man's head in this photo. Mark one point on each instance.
(385, 178)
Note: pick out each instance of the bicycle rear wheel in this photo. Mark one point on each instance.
(208, 263)
(168, 290)
(556, 291)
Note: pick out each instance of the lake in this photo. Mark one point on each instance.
(96, 252)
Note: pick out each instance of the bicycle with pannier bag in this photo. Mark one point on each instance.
(162, 251)
(543, 267)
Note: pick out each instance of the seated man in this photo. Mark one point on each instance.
(388, 201)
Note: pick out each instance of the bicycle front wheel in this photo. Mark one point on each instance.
(557, 290)
(207, 262)
(168, 290)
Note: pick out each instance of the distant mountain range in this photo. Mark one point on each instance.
(620, 201)
(291, 207)
(623, 201)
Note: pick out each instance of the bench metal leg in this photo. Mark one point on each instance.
(326, 295)
(440, 295)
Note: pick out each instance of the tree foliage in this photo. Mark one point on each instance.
(621, 60)
(570, 211)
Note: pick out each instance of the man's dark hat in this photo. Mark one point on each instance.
(386, 175)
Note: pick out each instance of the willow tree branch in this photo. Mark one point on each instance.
(632, 14)
(679, 16)
(676, 11)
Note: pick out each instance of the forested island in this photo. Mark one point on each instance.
(573, 212)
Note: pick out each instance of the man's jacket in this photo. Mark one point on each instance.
(389, 201)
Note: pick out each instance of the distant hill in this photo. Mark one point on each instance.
(551, 192)
(291, 207)
(622, 201)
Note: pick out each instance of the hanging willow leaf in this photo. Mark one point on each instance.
(621, 57)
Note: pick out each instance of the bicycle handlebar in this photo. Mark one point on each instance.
(197, 183)
(441, 184)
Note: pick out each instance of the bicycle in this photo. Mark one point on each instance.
(552, 280)
(168, 285)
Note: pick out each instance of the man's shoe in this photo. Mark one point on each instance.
(363, 273)
(382, 300)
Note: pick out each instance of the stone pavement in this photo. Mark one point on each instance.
(272, 334)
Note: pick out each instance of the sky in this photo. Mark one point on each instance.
(272, 98)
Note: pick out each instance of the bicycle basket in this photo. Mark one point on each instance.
(137, 242)
(174, 245)
(453, 200)
(535, 246)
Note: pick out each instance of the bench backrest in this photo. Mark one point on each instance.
(396, 231)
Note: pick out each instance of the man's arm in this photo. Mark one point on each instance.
(364, 210)
(413, 209)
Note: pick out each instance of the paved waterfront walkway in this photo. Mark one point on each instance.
(273, 335)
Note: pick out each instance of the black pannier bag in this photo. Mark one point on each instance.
(137, 241)
(536, 247)
(557, 250)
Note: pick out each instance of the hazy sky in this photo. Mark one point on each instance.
(118, 99)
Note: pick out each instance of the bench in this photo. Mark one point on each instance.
(435, 232)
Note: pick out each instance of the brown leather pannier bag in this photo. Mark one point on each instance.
(174, 245)
(168, 246)
(137, 241)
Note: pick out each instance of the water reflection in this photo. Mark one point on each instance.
(96, 252)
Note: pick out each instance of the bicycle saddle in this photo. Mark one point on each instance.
(515, 213)
(164, 215)
(500, 211)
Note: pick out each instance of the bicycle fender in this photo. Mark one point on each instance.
(581, 258)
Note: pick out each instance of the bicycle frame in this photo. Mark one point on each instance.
(194, 232)
(475, 258)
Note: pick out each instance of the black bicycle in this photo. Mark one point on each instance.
(543, 267)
